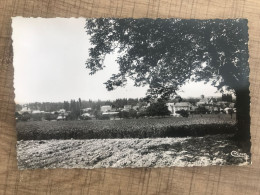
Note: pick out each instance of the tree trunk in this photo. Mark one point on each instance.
(243, 118)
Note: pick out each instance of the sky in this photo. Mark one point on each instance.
(49, 65)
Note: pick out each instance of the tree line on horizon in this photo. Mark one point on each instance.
(74, 105)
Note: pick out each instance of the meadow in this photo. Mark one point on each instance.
(196, 125)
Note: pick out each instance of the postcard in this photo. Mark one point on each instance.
(110, 92)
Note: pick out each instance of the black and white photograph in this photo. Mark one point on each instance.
(124, 92)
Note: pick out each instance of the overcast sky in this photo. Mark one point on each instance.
(49, 64)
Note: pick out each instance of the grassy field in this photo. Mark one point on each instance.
(147, 142)
(127, 128)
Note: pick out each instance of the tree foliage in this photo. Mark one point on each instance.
(25, 116)
(165, 53)
(227, 97)
(158, 109)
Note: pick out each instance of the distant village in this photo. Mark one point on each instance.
(124, 108)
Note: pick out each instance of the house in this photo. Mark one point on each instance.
(203, 101)
(106, 108)
(127, 107)
(212, 101)
(84, 110)
(173, 107)
(183, 106)
(110, 113)
(37, 112)
(61, 118)
(223, 104)
(25, 109)
(61, 111)
(206, 101)
(86, 116)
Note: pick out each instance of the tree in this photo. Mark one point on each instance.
(227, 97)
(123, 114)
(166, 53)
(37, 116)
(18, 116)
(119, 103)
(132, 113)
(230, 111)
(75, 109)
(66, 105)
(49, 116)
(158, 109)
(26, 116)
(97, 113)
(18, 107)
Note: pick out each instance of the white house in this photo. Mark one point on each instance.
(106, 108)
(61, 118)
(183, 106)
(25, 109)
(203, 101)
(62, 111)
(127, 107)
(85, 110)
(173, 107)
(85, 115)
(37, 112)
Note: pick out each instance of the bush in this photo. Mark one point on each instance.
(104, 117)
(37, 116)
(142, 114)
(183, 113)
(72, 116)
(49, 116)
(85, 118)
(132, 113)
(123, 114)
(25, 116)
(18, 116)
(201, 110)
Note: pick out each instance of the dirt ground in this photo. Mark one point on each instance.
(118, 153)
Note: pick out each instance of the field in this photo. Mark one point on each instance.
(127, 128)
(146, 142)
(100, 153)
